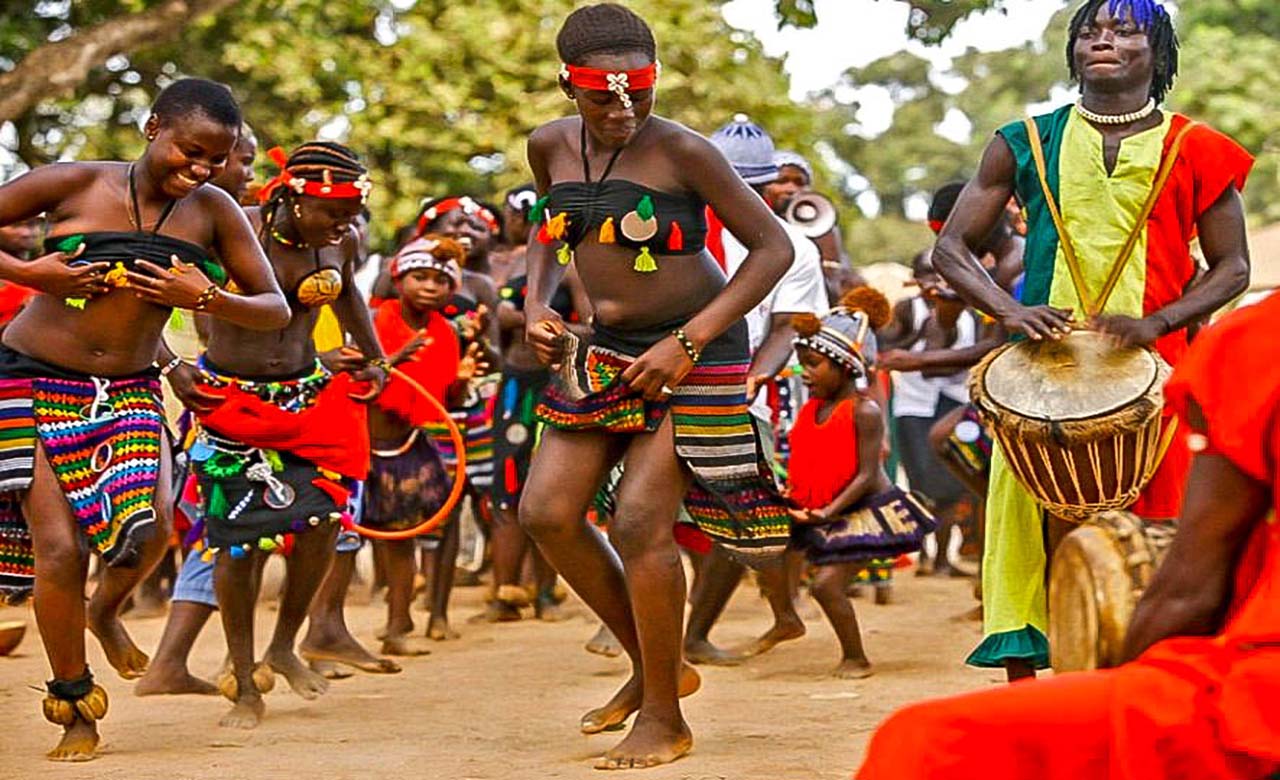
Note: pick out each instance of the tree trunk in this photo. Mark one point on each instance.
(56, 69)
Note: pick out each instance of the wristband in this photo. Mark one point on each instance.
(170, 366)
(207, 296)
(687, 344)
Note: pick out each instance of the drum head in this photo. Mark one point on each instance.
(1079, 377)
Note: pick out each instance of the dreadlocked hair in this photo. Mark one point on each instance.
(313, 161)
(806, 324)
(871, 302)
(1152, 18)
(606, 28)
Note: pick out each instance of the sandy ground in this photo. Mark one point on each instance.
(504, 701)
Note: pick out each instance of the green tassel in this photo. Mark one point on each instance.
(75, 303)
(176, 320)
(644, 261)
(539, 210)
(644, 209)
(70, 243)
(266, 544)
(273, 457)
(217, 509)
(564, 255)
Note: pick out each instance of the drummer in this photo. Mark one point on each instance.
(1124, 55)
(1198, 700)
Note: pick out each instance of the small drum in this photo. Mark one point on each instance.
(969, 444)
(1099, 572)
(1078, 420)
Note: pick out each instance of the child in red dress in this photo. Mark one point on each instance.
(850, 512)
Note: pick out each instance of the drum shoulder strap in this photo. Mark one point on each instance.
(1093, 307)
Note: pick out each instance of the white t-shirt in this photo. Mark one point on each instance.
(801, 289)
(916, 395)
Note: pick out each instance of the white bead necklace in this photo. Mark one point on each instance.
(1116, 119)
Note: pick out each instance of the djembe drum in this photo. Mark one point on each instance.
(1078, 420)
(1099, 572)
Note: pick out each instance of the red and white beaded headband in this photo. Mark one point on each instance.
(325, 188)
(464, 202)
(619, 82)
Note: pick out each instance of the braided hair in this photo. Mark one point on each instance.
(1152, 18)
(314, 161)
(605, 28)
(189, 96)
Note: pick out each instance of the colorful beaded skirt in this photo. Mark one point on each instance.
(258, 495)
(882, 526)
(734, 499)
(102, 437)
(407, 484)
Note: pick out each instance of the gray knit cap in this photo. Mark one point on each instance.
(748, 148)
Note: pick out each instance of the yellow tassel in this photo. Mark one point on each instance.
(207, 555)
(645, 262)
(557, 225)
(607, 235)
(564, 255)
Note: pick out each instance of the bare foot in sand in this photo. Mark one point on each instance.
(348, 652)
(244, 714)
(439, 630)
(405, 645)
(627, 700)
(329, 670)
(302, 680)
(703, 652)
(79, 743)
(171, 679)
(500, 612)
(548, 610)
(853, 669)
(122, 653)
(781, 632)
(604, 643)
(650, 743)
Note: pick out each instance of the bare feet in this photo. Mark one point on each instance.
(627, 700)
(302, 680)
(438, 629)
(703, 652)
(405, 645)
(122, 653)
(349, 653)
(501, 612)
(604, 643)
(79, 743)
(549, 610)
(329, 670)
(650, 743)
(779, 633)
(853, 669)
(264, 679)
(244, 714)
(171, 679)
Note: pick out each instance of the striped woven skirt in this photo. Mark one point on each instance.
(733, 498)
(102, 438)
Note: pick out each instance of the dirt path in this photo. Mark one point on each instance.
(504, 701)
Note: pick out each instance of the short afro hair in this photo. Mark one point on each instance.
(188, 96)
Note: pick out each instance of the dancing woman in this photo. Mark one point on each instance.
(128, 242)
(282, 439)
(625, 193)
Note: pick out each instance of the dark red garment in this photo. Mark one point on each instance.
(332, 433)
(434, 365)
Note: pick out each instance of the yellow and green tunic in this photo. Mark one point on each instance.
(1098, 209)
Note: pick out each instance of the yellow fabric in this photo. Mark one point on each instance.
(181, 336)
(328, 331)
(1098, 211)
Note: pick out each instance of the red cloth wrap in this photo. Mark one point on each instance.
(434, 365)
(332, 433)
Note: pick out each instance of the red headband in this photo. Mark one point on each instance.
(318, 189)
(468, 206)
(611, 80)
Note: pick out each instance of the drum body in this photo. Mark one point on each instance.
(1078, 420)
(1099, 572)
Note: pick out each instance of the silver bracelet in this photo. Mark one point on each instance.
(168, 367)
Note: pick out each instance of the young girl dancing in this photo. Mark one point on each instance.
(408, 480)
(849, 510)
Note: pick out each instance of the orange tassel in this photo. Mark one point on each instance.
(607, 234)
(544, 236)
(675, 239)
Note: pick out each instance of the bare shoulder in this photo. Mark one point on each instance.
(215, 200)
(69, 178)
(867, 412)
(687, 146)
(547, 136)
